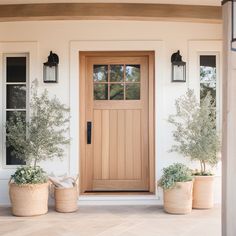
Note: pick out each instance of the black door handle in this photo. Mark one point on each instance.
(89, 132)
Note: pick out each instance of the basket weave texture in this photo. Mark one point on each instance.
(66, 199)
(29, 199)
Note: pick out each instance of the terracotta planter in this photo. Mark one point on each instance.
(178, 200)
(29, 199)
(203, 192)
(66, 199)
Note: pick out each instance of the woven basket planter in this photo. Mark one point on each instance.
(203, 192)
(29, 199)
(66, 199)
(178, 200)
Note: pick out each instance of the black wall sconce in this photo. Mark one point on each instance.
(178, 68)
(50, 69)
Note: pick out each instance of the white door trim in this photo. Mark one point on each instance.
(75, 47)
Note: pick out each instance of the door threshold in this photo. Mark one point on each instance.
(139, 199)
(120, 193)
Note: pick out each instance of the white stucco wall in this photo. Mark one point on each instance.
(60, 37)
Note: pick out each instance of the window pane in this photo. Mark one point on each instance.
(132, 73)
(100, 73)
(16, 96)
(132, 91)
(208, 76)
(10, 156)
(12, 115)
(207, 69)
(16, 69)
(100, 92)
(205, 88)
(116, 73)
(208, 60)
(116, 92)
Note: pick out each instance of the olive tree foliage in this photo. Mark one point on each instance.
(43, 136)
(195, 133)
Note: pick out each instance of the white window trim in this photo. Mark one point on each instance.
(30, 48)
(196, 49)
(4, 88)
(206, 47)
(218, 86)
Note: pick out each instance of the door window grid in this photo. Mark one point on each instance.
(110, 83)
(15, 95)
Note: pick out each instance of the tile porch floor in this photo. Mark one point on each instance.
(113, 221)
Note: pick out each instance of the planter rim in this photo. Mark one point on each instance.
(204, 176)
(28, 185)
(180, 183)
(184, 182)
(65, 188)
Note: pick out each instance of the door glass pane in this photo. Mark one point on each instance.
(116, 73)
(132, 73)
(116, 92)
(132, 91)
(16, 69)
(16, 96)
(100, 73)
(100, 91)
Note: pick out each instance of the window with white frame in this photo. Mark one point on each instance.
(208, 78)
(15, 95)
(209, 82)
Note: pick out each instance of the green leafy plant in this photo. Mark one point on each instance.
(195, 131)
(41, 138)
(29, 175)
(175, 173)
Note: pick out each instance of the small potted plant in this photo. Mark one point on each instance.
(196, 137)
(177, 184)
(41, 138)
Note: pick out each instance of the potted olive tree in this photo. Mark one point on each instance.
(177, 184)
(41, 138)
(196, 137)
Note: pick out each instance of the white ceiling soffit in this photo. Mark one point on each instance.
(184, 2)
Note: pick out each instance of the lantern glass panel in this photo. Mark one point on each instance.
(179, 73)
(50, 74)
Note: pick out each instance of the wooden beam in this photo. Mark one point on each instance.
(110, 11)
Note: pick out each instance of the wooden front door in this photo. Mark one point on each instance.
(116, 122)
